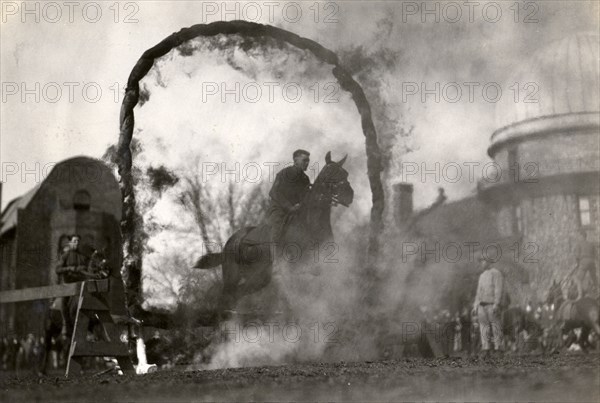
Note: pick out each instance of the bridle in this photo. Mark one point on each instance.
(323, 193)
(331, 191)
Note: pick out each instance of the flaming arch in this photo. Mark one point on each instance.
(132, 247)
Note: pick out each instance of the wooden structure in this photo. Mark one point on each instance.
(92, 304)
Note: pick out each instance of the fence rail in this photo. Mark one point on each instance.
(52, 291)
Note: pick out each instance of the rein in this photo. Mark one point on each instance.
(322, 195)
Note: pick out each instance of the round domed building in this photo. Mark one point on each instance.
(547, 151)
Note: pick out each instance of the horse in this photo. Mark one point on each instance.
(570, 315)
(515, 322)
(96, 269)
(248, 257)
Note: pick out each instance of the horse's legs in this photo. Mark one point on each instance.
(593, 320)
(63, 344)
(231, 278)
(569, 330)
(46, 351)
(515, 340)
(52, 327)
(283, 304)
(585, 333)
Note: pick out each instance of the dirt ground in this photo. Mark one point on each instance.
(560, 378)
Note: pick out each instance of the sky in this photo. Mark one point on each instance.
(63, 72)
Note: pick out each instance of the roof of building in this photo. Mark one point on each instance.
(469, 220)
(8, 219)
(460, 221)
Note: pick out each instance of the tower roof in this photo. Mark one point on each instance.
(558, 90)
(565, 77)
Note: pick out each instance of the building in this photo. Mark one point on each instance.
(441, 244)
(79, 195)
(547, 151)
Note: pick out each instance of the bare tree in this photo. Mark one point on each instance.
(171, 280)
(195, 200)
(214, 213)
(219, 212)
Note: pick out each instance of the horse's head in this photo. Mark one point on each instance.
(98, 262)
(331, 188)
(331, 185)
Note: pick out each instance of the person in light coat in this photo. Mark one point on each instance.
(487, 305)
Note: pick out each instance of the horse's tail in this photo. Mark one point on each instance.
(209, 260)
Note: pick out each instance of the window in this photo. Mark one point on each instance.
(584, 211)
(518, 220)
(513, 166)
(81, 200)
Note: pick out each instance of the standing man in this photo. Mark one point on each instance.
(288, 192)
(70, 263)
(585, 256)
(487, 305)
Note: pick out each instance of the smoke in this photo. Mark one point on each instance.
(313, 313)
(327, 313)
(177, 137)
(382, 61)
(224, 135)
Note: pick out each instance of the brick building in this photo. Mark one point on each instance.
(548, 154)
(79, 195)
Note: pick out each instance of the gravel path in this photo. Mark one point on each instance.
(563, 377)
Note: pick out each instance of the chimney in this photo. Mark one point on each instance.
(403, 202)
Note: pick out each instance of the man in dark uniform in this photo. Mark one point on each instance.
(288, 192)
(70, 263)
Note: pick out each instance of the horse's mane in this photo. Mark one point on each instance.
(331, 172)
(315, 205)
(555, 292)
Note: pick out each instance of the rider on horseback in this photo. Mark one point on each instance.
(245, 267)
(288, 192)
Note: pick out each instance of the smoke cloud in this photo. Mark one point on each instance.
(383, 60)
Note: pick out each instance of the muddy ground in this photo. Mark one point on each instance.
(560, 378)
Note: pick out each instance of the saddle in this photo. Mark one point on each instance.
(257, 235)
(255, 246)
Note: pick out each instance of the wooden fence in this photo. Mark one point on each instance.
(92, 304)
